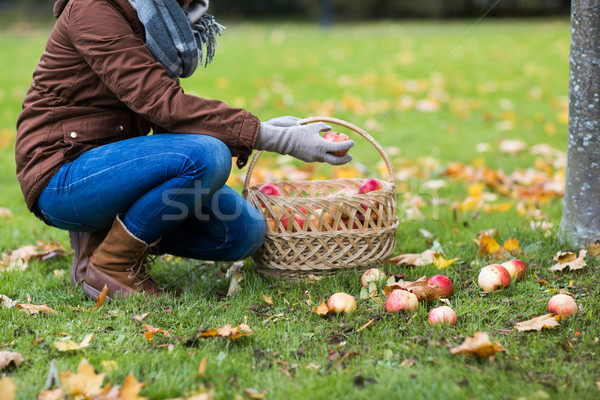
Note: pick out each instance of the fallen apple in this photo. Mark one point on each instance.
(341, 302)
(516, 268)
(562, 304)
(442, 315)
(444, 283)
(493, 277)
(401, 300)
(336, 137)
(372, 275)
(369, 185)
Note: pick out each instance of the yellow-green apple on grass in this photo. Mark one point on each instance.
(442, 315)
(493, 277)
(341, 302)
(372, 275)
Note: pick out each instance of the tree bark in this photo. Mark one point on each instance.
(580, 222)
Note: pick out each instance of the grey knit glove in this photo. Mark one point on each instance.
(302, 142)
(283, 121)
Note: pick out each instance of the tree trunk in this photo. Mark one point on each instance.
(580, 223)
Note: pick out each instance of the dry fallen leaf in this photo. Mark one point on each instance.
(441, 263)
(5, 213)
(594, 249)
(477, 345)
(35, 309)
(8, 389)
(7, 302)
(255, 394)
(321, 309)
(101, 297)
(56, 394)
(140, 317)
(536, 324)
(130, 388)
(416, 259)
(70, 345)
(10, 357)
(151, 331)
(512, 146)
(227, 331)
(569, 259)
(202, 368)
(419, 288)
(84, 384)
(512, 245)
(487, 244)
(268, 299)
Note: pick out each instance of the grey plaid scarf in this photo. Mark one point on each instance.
(174, 40)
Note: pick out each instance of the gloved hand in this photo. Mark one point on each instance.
(302, 142)
(284, 121)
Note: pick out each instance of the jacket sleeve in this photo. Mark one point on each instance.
(120, 58)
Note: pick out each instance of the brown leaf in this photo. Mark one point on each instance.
(151, 331)
(321, 309)
(477, 345)
(419, 288)
(227, 331)
(101, 297)
(9, 357)
(5, 213)
(268, 299)
(8, 389)
(416, 259)
(35, 309)
(366, 325)
(569, 259)
(56, 394)
(84, 384)
(594, 249)
(536, 324)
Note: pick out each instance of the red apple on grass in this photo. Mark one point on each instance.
(516, 268)
(562, 304)
(444, 283)
(336, 137)
(372, 275)
(442, 315)
(492, 277)
(341, 302)
(401, 300)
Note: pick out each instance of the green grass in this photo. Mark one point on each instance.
(508, 70)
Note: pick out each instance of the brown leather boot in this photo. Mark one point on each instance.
(119, 262)
(83, 245)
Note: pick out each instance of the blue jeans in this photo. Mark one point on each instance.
(169, 186)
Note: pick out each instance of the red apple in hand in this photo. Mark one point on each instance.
(336, 137)
(369, 185)
(444, 283)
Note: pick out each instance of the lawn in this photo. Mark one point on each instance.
(461, 109)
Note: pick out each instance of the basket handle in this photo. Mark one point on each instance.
(361, 132)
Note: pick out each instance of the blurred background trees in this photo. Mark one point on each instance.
(347, 9)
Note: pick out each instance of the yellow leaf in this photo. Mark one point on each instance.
(85, 383)
(8, 389)
(487, 244)
(477, 345)
(101, 297)
(71, 345)
(594, 249)
(441, 263)
(547, 321)
(255, 394)
(268, 299)
(151, 331)
(130, 389)
(512, 245)
(321, 309)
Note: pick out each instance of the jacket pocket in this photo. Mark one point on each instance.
(85, 132)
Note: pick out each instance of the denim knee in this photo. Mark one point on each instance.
(251, 234)
(216, 172)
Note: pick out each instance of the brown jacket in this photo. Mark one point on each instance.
(97, 83)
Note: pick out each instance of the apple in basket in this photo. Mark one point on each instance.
(369, 185)
(297, 219)
(336, 137)
(270, 190)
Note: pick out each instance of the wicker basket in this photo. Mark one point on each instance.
(318, 227)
